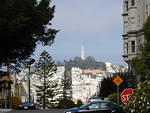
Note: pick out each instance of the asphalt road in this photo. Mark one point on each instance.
(37, 111)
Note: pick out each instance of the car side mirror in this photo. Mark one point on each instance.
(113, 111)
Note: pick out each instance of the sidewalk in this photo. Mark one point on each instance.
(5, 110)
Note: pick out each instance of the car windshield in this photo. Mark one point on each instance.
(27, 103)
(97, 98)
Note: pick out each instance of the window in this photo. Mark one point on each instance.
(126, 5)
(94, 106)
(132, 20)
(132, 2)
(146, 11)
(125, 48)
(133, 46)
(139, 20)
(106, 105)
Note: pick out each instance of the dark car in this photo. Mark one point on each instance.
(28, 105)
(97, 107)
(95, 99)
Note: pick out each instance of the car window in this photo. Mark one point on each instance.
(106, 105)
(84, 106)
(94, 106)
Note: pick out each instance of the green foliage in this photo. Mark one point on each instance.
(146, 29)
(46, 66)
(139, 68)
(2, 102)
(79, 103)
(23, 25)
(46, 94)
(66, 85)
(141, 64)
(65, 103)
(48, 89)
(113, 97)
(107, 86)
(64, 100)
(139, 102)
(88, 63)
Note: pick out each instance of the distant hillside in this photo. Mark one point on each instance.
(88, 63)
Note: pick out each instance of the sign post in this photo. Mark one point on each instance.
(118, 80)
(126, 94)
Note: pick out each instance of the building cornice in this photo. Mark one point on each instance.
(125, 56)
(124, 35)
(133, 7)
(125, 14)
(133, 32)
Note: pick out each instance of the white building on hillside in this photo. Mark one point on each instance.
(85, 83)
(22, 78)
(111, 68)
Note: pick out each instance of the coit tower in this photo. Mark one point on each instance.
(82, 53)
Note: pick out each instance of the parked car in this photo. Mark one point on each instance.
(101, 106)
(95, 99)
(28, 105)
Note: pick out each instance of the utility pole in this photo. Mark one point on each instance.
(29, 84)
(8, 89)
(31, 61)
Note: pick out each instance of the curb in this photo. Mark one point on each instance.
(5, 110)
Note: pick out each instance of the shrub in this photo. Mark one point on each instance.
(113, 97)
(15, 101)
(79, 103)
(65, 103)
(140, 100)
(2, 102)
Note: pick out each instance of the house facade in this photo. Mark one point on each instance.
(135, 13)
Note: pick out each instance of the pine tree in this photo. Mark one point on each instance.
(23, 25)
(66, 84)
(48, 89)
(66, 94)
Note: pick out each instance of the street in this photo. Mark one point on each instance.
(37, 111)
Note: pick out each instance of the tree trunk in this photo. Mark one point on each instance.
(44, 92)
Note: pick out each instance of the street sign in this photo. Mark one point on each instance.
(117, 80)
(126, 94)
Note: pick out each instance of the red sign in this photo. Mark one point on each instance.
(126, 94)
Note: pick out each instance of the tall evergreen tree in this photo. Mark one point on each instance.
(66, 85)
(47, 90)
(66, 93)
(23, 25)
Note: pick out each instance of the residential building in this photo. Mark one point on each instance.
(85, 83)
(111, 68)
(135, 13)
(21, 83)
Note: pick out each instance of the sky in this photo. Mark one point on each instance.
(95, 24)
